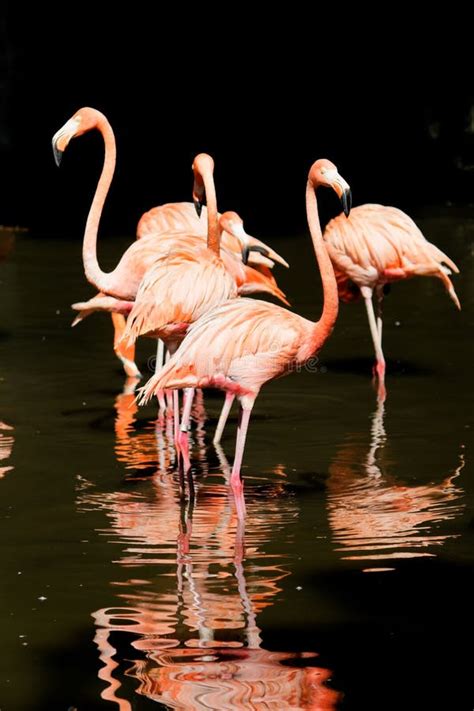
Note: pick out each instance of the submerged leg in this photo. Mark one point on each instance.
(226, 408)
(124, 352)
(376, 338)
(246, 405)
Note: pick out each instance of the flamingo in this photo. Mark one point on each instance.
(242, 344)
(122, 283)
(375, 246)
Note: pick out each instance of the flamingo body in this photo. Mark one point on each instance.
(267, 341)
(378, 244)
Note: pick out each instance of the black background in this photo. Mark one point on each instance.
(264, 91)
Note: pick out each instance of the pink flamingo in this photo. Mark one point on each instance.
(375, 246)
(122, 283)
(241, 344)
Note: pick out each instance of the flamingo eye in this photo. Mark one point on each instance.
(323, 170)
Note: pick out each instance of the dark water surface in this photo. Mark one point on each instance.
(351, 585)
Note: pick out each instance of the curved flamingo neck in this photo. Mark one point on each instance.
(213, 231)
(324, 326)
(94, 273)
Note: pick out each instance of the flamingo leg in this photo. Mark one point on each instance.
(376, 337)
(124, 353)
(176, 420)
(161, 402)
(183, 440)
(168, 393)
(226, 408)
(235, 480)
(379, 295)
(160, 352)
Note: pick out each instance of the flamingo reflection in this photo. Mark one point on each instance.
(374, 517)
(6, 446)
(188, 614)
(151, 450)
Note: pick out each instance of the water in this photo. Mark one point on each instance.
(350, 585)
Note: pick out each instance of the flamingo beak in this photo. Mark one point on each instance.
(346, 200)
(58, 155)
(198, 192)
(62, 137)
(197, 206)
(253, 248)
(341, 188)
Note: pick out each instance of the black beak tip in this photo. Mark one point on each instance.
(245, 254)
(198, 207)
(346, 200)
(58, 155)
(258, 248)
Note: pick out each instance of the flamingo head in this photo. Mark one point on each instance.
(323, 172)
(232, 223)
(83, 120)
(202, 164)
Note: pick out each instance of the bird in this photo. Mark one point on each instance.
(122, 283)
(243, 343)
(375, 246)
